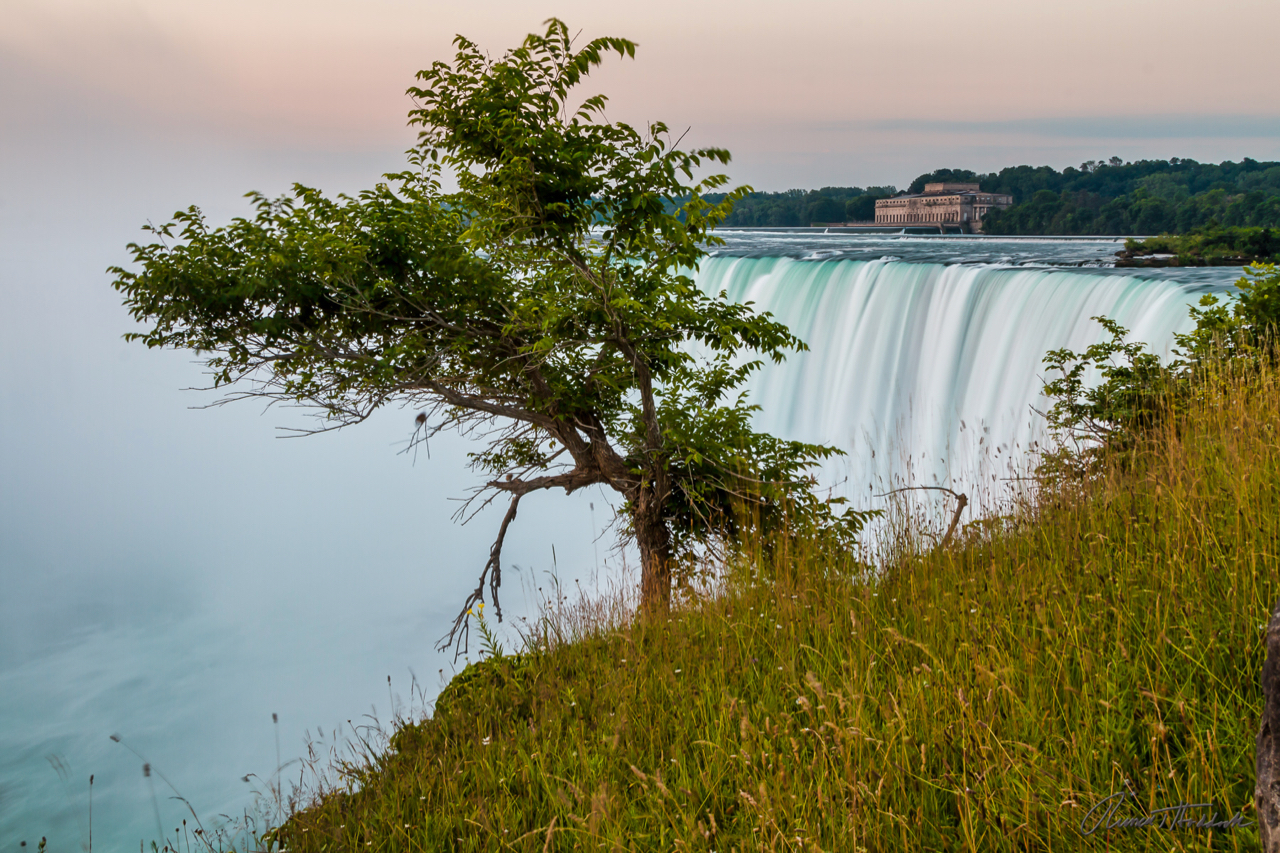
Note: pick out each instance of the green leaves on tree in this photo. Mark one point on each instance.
(545, 307)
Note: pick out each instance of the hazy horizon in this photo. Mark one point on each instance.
(801, 99)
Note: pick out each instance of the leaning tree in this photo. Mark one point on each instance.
(546, 307)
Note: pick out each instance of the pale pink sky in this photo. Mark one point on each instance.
(797, 91)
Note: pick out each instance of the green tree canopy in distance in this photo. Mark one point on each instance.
(546, 307)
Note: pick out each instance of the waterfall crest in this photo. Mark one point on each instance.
(925, 373)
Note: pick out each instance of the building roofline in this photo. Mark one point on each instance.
(942, 194)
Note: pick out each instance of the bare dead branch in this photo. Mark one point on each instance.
(493, 572)
(962, 501)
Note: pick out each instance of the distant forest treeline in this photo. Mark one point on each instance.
(806, 207)
(1100, 197)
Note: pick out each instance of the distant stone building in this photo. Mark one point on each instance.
(963, 205)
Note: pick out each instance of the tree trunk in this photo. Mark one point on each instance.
(1267, 793)
(655, 555)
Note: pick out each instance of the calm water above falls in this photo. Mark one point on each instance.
(177, 576)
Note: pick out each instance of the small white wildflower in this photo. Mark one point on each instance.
(973, 610)
(678, 671)
(779, 627)
(486, 741)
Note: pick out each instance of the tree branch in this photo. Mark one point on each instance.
(962, 501)
(575, 479)
(480, 404)
(493, 571)
(644, 380)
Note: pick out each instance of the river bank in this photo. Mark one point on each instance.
(1212, 247)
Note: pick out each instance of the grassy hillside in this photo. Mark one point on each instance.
(981, 697)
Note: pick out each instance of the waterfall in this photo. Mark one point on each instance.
(926, 373)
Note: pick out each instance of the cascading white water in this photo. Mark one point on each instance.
(925, 373)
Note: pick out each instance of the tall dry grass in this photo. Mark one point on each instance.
(1104, 639)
